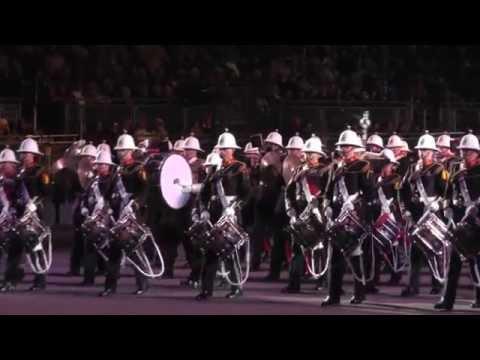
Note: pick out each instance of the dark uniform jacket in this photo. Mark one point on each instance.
(358, 178)
(318, 178)
(234, 178)
(434, 178)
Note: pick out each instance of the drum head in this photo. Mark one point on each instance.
(175, 172)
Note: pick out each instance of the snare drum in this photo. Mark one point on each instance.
(347, 233)
(431, 235)
(307, 232)
(466, 237)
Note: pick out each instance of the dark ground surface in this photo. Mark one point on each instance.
(64, 296)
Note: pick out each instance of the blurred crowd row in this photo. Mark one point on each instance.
(430, 73)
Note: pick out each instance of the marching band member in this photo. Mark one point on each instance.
(352, 192)
(222, 192)
(37, 181)
(266, 211)
(84, 175)
(375, 143)
(424, 182)
(191, 148)
(465, 195)
(129, 184)
(306, 188)
(13, 199)
(91, 199)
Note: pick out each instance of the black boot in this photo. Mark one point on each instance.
(203, 296)
(142, 289)
(394, 279)
(107, 292)
(476, 303)
(443, 304)
(409, 291)
(448, 299)
(39, 283)
(359, 287)
(291, 289)
(7, 287)
(329, 300)
(337, 270)
(234, 293)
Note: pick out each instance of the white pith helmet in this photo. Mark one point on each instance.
(104, 157)
(192, 143)
(8, 156)
(376, 140)
(469, 142)
(314, 144)
(213, 159)
(394, 141)
(444, 140)
(29, 145)
(295, 142)
(227, 141)
(426, 142)
(88, 150)
(125, 142)
(349, 138)
(275, 138)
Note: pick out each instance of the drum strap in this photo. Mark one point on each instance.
(3, 200)
(384, 201)
(465, 193)
(342, 187)
(423, 194)
(221, 193)
(99, 200)
(306, 189)
(124, 195)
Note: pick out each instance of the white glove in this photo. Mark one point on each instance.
(316, 212)
(84, 211)
(448, 212)
(293, 220)
(205, 215)
(434, 207)
(229, 211)
(195, 217)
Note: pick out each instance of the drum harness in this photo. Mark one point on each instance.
(229, 202)
(429, 203)
(348, 205)
(470, 206)
(320, 246)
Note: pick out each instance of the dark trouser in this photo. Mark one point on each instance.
(337, 271)
(297, 268)
(13, 273)
(278, 257)
(90, 261)
(262, 229)
(210, 269)
(194, 259)
(169, 235)
(418, 261)
(375, 261)
(455, 268)
(77, 252)
(113, 269)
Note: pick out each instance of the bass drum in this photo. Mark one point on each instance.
(169, 173)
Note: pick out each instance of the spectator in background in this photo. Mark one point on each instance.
(4, 126)
(160, 131)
